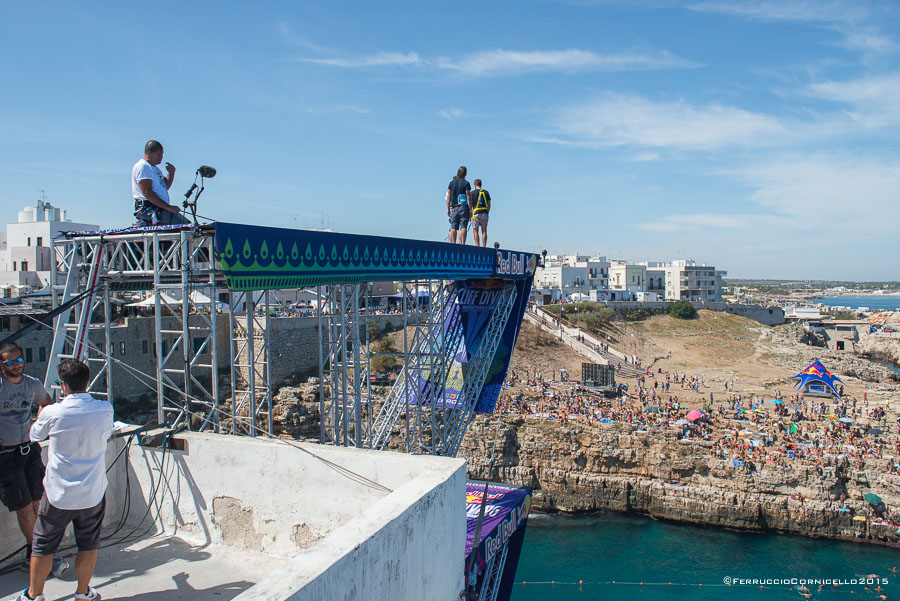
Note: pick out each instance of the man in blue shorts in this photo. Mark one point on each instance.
(75, 483)
(458, 205)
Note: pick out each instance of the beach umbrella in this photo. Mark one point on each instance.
(695, 415)
(831, 416)
(777, 402)
(859, 518)
(874, 431)
(872, 498)
(846, 420)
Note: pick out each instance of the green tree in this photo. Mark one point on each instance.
(682, 309)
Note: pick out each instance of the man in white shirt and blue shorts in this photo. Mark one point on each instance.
(150, 189)
(78, 427)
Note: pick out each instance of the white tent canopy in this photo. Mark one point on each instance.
(150, 301)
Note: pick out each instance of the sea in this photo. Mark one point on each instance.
(884, 303)
(599, 549)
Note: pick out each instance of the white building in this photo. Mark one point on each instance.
(686, 280)
(563, 276)
(25, 247)
(627, 281)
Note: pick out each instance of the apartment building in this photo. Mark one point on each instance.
(562, 276)
(26, 247)
(687, 280)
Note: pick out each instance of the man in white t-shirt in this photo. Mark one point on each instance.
(150, 189)
(75, 483)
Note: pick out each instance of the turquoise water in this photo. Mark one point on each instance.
(884, 303)
(626, 548)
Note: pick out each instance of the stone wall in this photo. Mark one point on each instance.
(770, 316)
(575, 467)
(294, 343)
(132, 343)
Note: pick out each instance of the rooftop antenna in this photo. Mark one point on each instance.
(43, 198)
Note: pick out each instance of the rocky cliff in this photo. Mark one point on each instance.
(574, 468)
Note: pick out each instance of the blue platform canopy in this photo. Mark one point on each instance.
(817, 372)
(269, 258)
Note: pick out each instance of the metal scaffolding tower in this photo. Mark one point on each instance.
(434, 423)
(176, 266)
(188, 270)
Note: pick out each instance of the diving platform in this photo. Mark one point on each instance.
(461, 306)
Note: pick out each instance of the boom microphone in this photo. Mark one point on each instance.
(206, 171)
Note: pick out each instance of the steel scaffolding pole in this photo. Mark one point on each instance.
(345, 390)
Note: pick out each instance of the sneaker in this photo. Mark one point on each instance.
(91, 595)
(59, 566)
(24, 597)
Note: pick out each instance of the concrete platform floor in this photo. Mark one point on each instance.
(159, 568)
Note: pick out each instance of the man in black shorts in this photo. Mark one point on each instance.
(75, 484)
(458, 205)
(21, 467)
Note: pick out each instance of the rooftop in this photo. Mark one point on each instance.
(244, 518)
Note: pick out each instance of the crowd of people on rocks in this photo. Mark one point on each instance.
(748, 431)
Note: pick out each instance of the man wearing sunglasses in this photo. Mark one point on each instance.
(21, 467)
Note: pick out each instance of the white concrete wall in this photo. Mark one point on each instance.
(354, 541)
(345, 540)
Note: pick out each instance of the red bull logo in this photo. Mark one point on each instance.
(510, 263)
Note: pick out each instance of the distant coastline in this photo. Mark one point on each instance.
(883, 302)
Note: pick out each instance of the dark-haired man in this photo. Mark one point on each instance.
(458, 205)
(21, 467)
(150, 189)
(75, 485)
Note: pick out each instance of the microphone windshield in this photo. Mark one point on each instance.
(206, 171)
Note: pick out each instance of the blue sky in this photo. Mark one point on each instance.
(759, 136)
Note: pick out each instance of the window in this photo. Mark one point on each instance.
(40, 241)
(29, 241)
(198, 342)
(14, 266)
(28, 355)
(42, 353)
(121, 348)
(4, 324)
(144, 346)
(24, 265)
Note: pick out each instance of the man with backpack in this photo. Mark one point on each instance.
(480, 202)
(458, 205)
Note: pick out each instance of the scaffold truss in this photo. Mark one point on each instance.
(209, 291)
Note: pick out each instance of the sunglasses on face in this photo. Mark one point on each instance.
(12, 362)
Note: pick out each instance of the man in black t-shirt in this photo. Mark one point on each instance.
(458, 205)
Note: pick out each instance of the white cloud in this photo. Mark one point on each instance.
(822, 11)
(835, 190)
(491, 63)
(874, 99)
(513, 62)
(696, 221)
(855, 20)
(380, 59)
(292, 37)
(452, 113)
(623, 120)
